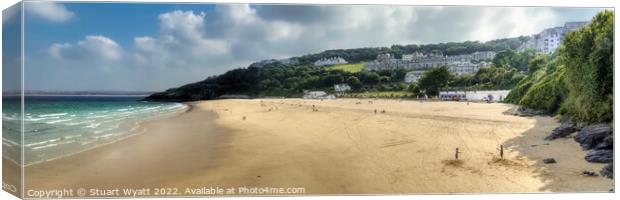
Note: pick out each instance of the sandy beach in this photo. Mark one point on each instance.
(340, 147)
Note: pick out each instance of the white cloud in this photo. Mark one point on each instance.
(93, 48)
(50, 11)
(184, 25)
(237, 34)
(56, 49)
(180, 43)
(146, 44)
(512, 22)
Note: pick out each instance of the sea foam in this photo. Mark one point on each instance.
(59, 126)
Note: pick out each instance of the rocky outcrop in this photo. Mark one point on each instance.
(598, 138)
(565, 129)
(607, 143)
(600, 156)
(528, 112)
(608, 170)
(523, 112)
(591, 136)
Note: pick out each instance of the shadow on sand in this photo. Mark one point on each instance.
(563, 176)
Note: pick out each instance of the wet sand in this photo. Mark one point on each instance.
(170, 149)
(342, 147)
(11, 174)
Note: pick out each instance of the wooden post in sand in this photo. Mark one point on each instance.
(456, 154)
(501, 151)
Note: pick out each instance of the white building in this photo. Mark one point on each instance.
(330, 61)
(419, 61)
(413, 76)
(459, 68)
(317, 95)
(455, 68)
(341, 88)
(483, 55)
(413, 56)
(484, 95)
(550, 39)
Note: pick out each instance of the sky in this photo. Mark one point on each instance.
(152, 47)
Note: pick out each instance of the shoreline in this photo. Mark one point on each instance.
(96, 146)
(126, 145)
(139, 130)
(279, 145)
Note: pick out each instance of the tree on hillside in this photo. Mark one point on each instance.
(434, 80)
(537, 62)
(368, 77)
(354, 82)
(588, 57)
(512, 59)
(414, 89)
(504, 58)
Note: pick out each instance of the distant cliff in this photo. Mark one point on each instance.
(238, 81)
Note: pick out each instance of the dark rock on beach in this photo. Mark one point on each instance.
(600, 156)
(608, 170)
(548, 160)
(589, 173)
(565, 129)
(600, 138)
(590, 136)
(607, 143)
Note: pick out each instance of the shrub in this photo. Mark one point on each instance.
(588, 56)
(519, 91)
(548, 94)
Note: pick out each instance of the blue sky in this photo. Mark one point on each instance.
(122, 22)
(149, 47)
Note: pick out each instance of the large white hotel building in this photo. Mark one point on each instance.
(550, 39)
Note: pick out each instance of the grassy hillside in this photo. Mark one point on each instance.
(450, 48)
(351, 67)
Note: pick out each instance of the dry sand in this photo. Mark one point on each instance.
(343, 148)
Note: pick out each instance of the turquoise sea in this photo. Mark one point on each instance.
(56, 126)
